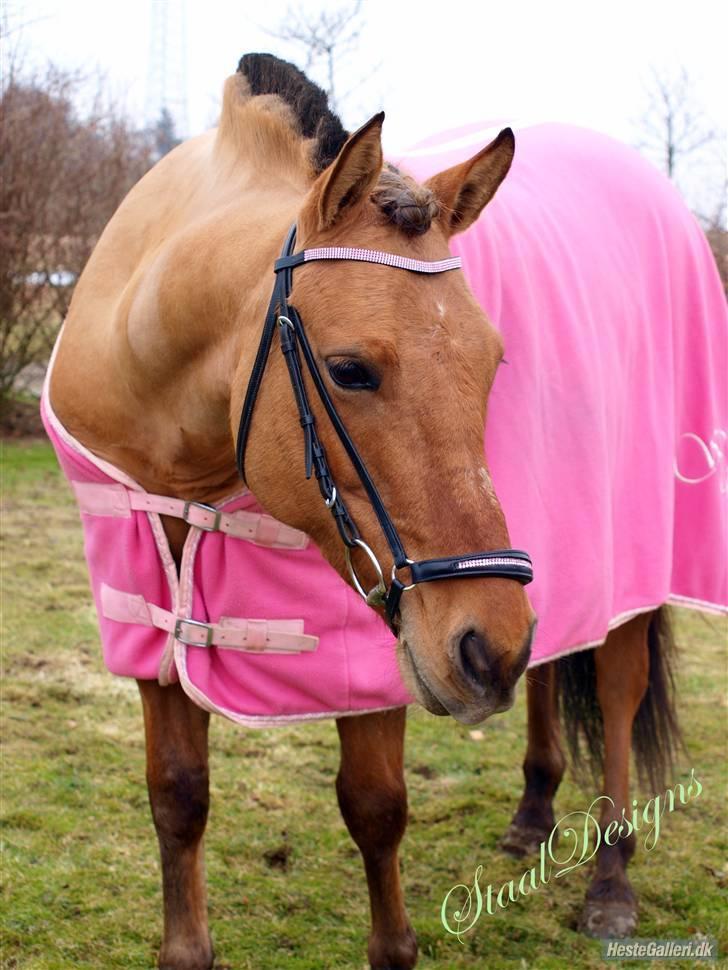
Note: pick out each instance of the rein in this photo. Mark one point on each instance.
(504, 563)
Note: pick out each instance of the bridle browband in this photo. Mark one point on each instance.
(506, 563)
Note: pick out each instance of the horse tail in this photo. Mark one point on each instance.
(656, 735)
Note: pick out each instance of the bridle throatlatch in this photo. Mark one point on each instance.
(281, 316)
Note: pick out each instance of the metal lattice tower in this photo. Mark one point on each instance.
(167, 66)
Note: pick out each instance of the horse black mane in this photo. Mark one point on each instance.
(408, 205)
(267, 74)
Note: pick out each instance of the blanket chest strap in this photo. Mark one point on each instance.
(117, 500)
(232, 633)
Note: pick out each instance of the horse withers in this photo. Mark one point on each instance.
(144, 403)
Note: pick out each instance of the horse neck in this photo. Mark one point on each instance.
(157, 401)
(194, 360)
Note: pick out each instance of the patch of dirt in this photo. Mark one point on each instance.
(425, 771)
(280, 857)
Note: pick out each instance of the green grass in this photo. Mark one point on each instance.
(27, 463)
(81, 881)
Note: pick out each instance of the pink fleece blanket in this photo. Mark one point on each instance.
(291, 639)
(607, 432)
(606, 440)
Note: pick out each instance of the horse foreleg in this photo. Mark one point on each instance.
(177, 779)
(543, 766)
(373, 801)
(622, 670)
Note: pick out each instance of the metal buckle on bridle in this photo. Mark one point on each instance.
(377, 594)
(395, 567)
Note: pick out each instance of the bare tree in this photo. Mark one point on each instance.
(61, 178)
(325, 40)
(164, 134)
(676, 133)
(718, 241)
(674, 126)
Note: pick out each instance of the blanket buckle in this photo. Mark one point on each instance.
(201, 506)
(178, 632)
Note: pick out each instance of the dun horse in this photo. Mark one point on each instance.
(150, 376)
(365, 433)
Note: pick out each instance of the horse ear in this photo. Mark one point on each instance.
(464, 190)
(351, 176)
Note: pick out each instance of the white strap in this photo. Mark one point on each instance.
(232, 633)
(386, 259)
(96, 498)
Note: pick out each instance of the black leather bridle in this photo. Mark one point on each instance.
(506, 563)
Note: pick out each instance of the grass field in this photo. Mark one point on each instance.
(81, 881)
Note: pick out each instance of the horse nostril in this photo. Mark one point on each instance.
(473, 658)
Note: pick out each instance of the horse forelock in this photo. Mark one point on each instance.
(292, 104)
(405, 202)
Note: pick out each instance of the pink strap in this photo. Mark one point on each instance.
(232, 633)
(116, 500)
(386, 259)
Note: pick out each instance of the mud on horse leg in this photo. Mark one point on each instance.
(373, 801)
(177, 778)
(622, 675)
(543, 766)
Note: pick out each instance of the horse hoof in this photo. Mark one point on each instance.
(398, 954)
(181, 956)
(608, 918)
(522, 840)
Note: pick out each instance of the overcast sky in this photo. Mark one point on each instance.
(520, 60)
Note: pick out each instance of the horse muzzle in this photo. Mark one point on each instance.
(479, 680)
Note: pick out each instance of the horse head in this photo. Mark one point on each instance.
(408, 361)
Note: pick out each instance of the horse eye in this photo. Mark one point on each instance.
(353, 375)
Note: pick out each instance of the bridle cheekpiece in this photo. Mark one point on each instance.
(505, 563)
